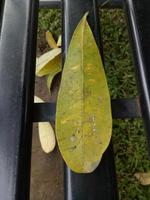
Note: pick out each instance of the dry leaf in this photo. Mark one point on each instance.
(50, 40)
(143, 178)
(46, 133)
(59, 42)
(48, 62)
(83, 118)
(51, 76)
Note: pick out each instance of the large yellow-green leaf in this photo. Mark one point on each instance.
(48, 62)
(83, 118)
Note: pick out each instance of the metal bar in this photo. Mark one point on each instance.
(121, 109)
(17, 61)
(50, 3)
(44, 112)
(125, 108)
(110, 3)
(1, 11)
(100, 184)
(137, 13)
(101, 3)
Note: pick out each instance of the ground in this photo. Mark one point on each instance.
(47, 169)
(128, 135)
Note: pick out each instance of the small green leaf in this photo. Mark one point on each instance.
(50, 61)
(46, 133)
(83, 117)
(50, 40)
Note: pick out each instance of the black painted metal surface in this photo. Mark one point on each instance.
(100, 184)
(44, 112)
(138, 17)
(50, 3)
(121, 109)
(101, 3)
(110, 3)
(17, 60)
(18, 23)
(125, 108)
(1, 11)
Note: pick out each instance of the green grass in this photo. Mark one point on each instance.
(128, 135)
(48, 20)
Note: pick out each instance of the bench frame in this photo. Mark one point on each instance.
(18, 29)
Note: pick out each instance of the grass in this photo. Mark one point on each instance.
(128, 135)
(48, 20)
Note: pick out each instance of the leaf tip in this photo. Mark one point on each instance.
(85, 15)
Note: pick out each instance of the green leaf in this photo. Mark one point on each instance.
(83, 117)
(50, 40)
(48, 62)
(46, 133)
(51, 75)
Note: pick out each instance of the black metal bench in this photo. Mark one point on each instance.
(18, 25)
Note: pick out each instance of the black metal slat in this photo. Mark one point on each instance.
(1, 11)
(110, 3)
(125, 108)
(101, 3)
(44, 112)
(138, 13)
(121, 109)
(17, 61)
(16, 95)
(101, 184)
(50, 3)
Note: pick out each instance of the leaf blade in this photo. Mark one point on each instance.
(59, 42)
(143, 178)
(50, 40)
(46, 133)
(48, 61)
(51, 76)
(83, 105)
